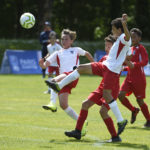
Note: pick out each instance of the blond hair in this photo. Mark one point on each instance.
(72, 34)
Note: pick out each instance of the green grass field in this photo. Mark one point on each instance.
(24, 125)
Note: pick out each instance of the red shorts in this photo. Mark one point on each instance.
(111, 79)
(138, 88)
(68, 88)
(52, 69)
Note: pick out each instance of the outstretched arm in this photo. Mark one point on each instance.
(124, 24)
(89, 56)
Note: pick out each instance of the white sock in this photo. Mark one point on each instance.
(68, 79)
(70, 112)
(114, 107)
(53, 96)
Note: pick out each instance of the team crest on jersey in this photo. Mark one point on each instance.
(71, 52)
(133, 52)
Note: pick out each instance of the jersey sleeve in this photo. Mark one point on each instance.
(143, 58)
(129, 52)
(52, 58)
(81, 52)
(123, 41)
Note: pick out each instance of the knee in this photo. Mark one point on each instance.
(140, 102)
(85, 105)
(103, 112)
(121, 96)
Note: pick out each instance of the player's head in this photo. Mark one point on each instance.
(47, 26)
(136, 35)
(52, 37)
(117, 28)
(67, 38)
(109, 41)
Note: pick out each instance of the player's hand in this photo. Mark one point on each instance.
(41, 61)
(124, 18)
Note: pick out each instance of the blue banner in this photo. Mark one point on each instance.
(23, 61)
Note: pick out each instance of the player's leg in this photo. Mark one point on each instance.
(145, 111)
(124, 100)
(109, 124)
(84, 68)
(79, 129)
(63, 101)
(110, 94)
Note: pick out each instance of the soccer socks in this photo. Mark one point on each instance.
(114, 107)
(53, 96)
(127, 104)
(70, 112)
(81, 119)
(68, 79)
(145, 111)
(110, 126)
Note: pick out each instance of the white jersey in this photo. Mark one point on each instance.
(67, 58)
(53, 48)
(117, 54)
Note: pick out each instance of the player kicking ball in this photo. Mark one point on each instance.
(108, 69)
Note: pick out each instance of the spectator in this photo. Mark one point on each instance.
(44, 40)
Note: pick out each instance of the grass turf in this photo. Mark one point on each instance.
(24, 125)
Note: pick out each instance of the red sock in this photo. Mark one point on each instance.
(110, 126)
(145, 111)
(82, 117)
(127, 104)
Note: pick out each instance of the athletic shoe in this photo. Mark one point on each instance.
(121, 126)
(134, 114)
(114, 139)
(147, 124)
(84, 128)
(50, 106)
(53, 85)
(74, 133)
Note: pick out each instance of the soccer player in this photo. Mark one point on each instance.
(108, 69)
(67, 58)
(135, 81)
(53, 70)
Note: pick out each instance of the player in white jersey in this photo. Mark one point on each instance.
(109, 69)
(53, 71)
(67, 58)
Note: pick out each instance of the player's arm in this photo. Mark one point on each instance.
(89, 56)
(144, 58)
(129, 64)
(44, 64)
(124, 24)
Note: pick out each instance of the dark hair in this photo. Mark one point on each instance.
(110, 38)
(137, 31)
(117, 23)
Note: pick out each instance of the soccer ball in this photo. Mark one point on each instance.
(27, 20)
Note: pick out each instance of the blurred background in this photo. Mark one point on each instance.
(89, 18)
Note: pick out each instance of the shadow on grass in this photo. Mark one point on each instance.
(136, 127)
(130, 146)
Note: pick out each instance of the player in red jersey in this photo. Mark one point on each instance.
(135, 81)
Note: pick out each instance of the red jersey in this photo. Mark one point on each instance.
(140, 59)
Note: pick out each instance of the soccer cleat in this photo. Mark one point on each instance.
(147, 124)
(74, 133)
(53, 85)
(50, 106)
(114, 139)
(121, 126)
(84, 128)
(134, 114)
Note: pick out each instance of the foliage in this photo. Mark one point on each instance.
(24, 125)
(91, 19)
